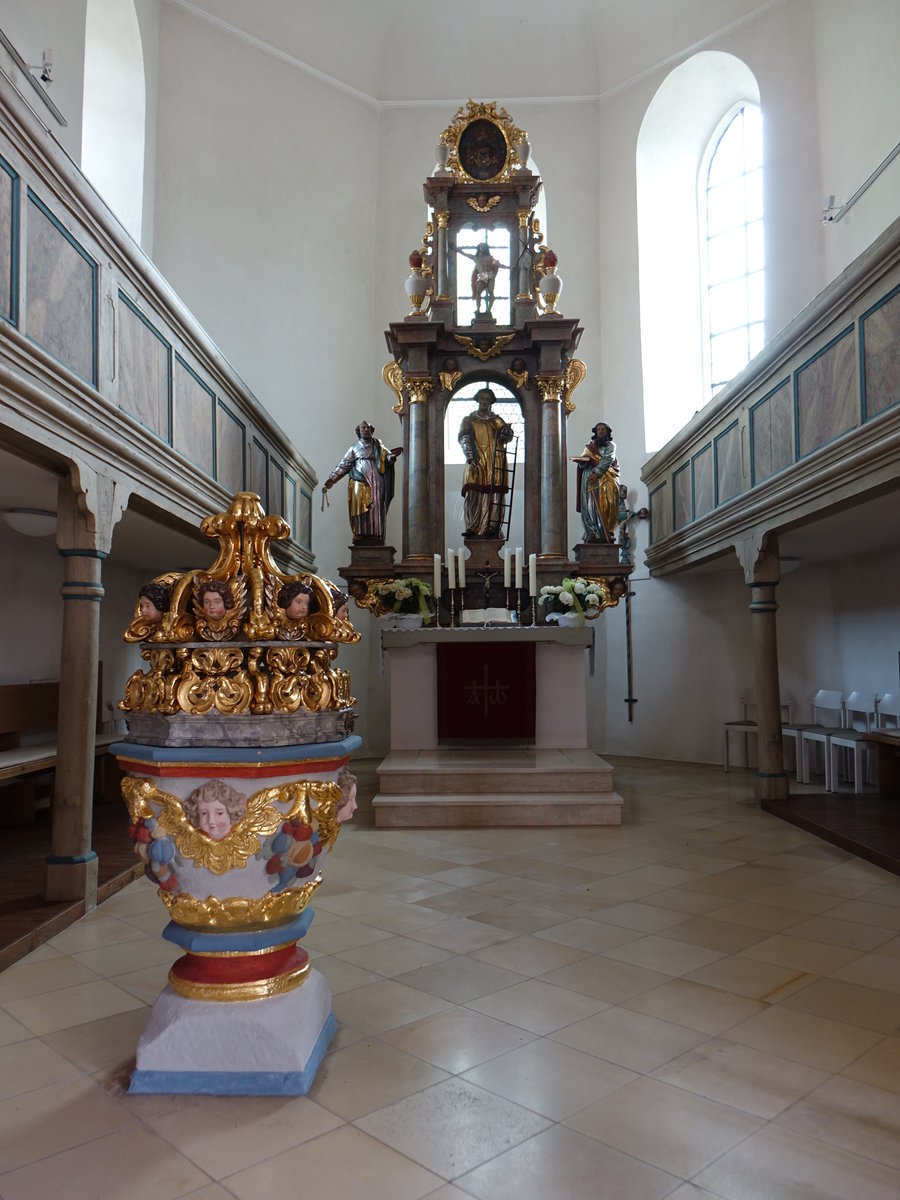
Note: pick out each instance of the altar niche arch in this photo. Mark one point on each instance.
(460, 402)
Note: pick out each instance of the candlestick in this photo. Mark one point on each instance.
(451, 570)
(532, 574)
(437, 578)
(507, 569)
(518, 566)
(533, 611)
(462, 567)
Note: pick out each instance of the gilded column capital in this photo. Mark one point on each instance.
(419, 389)
(522, 215)
(442, 217)
(551, 388)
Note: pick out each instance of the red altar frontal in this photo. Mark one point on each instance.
(489, 727)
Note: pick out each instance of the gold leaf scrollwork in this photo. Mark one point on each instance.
(499, 117)
(480, 350)
(239, 912)
(392, 374)
(575, 373)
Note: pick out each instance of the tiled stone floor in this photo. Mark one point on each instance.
(704, 1002)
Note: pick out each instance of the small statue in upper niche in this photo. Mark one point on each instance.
(598, 486)
(484, 275)
(370, 486)
(153, 600)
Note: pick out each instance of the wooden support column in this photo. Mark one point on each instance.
(763, 574)
(84, 536)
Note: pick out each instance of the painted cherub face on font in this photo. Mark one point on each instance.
(213, 818)
(149, 611)
(298, 607)
(153, 600)
(213, 606)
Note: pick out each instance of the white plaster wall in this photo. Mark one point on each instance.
(58, 25)
(148, 22)
(858, 95)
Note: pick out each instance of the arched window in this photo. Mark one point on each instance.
(114, 111)
(681, 128)
(732, 235)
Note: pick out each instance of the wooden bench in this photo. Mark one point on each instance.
(28, 749)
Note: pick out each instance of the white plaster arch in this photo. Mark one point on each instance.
(115, 105)
(680, 121)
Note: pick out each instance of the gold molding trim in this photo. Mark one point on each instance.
(483, 203)
(259, 989)
(239, 912)
(478, 351)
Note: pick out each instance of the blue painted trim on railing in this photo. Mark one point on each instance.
(655, 492)
(862, 352)
(307, 532)
(675, 474)
(716, 441)
(237, 1083)
(290, 502)
(14, 239)
(95, 300)
(243, 428)
(70, 860)
(212, 406)
(130, 304)
(752, 409)
(797, 373)
(263, 491)
(694, 457)
(83, 553)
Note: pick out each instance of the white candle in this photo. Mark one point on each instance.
(437, 576)
(507, 567)
(451, 571)
(518, 566)
(532, 574)
(462, 567)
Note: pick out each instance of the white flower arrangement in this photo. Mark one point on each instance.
(583, 597)
(405, 596)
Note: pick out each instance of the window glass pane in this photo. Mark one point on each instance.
(755, 246)
(735, 247)
(729, 355)
(728, 305)
(728, 160)
(753, 139)
(754, 202)
(727, 256)
(725, 206)
(756, 296)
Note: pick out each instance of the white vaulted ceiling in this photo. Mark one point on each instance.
(407, 51)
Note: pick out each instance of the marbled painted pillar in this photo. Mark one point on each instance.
(418, 537)
(763, 576)
(524, 284)
(553, 514)
(83, 537)
(441, 219)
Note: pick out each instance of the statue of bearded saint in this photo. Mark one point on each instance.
(483, 436)
(598, 486)
(369, 465)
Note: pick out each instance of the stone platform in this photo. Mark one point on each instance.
(458, 787)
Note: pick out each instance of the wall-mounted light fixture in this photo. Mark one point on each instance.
(33, 522)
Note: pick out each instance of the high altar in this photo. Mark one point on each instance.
(485, 329)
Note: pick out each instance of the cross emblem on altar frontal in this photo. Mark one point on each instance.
(486, 695)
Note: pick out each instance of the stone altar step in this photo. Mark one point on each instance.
(496, 787)
(492, 772)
